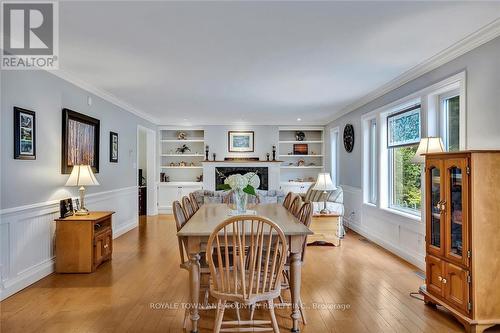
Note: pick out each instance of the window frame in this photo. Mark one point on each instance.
(444, 129)
(391, 205)
(428, 97)
(334, 154)
(372, 161)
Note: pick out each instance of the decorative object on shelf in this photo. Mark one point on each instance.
(82, 176)
(426, 146)
(312, 164)
(214, 155)
(199, 179)
(162, 177)
(274, 153)
(113, 147)
(65, 207)
(191, 164)
(182, 164)
(267, 156)
(181, 136)
(24, 134)
(324, 183)
(182, 149)
(349, 138)
(172, 164)
(80, 141)
(290, 163)
(240, 141)
(242, 185)
(301, 163)
(300, 136)
(206, 152)
(300, 149)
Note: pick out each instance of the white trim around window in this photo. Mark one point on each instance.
(431, 119)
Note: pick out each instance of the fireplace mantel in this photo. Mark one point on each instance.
(209, 171)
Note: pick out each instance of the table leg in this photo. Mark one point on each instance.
(194, 289)
(295, 280)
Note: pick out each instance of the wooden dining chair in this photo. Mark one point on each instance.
(188, 207)
(305, 217)
(194, 202)
(287, 202)
(180, 221)
(258, 256)
(295, 205)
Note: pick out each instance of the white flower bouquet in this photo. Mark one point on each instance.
(242, 185)
(247, 183)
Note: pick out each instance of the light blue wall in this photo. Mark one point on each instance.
(482, 66)
(25, 182)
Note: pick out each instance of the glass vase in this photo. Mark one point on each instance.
(240, 200)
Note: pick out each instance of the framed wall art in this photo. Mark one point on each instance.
(240, 141)
(113, 147)
(80, 141)
(24, 134)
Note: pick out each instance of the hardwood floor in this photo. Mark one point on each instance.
(130, 293)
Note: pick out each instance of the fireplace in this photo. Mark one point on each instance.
(222, 172)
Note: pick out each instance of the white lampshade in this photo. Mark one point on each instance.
(82, 175)
(324, 183)
(426, 146)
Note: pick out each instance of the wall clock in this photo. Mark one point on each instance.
(349, 138)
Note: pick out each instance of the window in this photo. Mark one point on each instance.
(403, 136)
(334, 146)
(372, 162)
(405, 180)
(450, 115)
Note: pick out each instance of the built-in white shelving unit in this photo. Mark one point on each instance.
(178, 167)
(183, 179)
(299, 171)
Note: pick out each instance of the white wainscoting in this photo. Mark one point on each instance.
(27, 235)
(401, 235)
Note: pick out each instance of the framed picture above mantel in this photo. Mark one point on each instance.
(24, 134)
(80, 141)
(240, 141)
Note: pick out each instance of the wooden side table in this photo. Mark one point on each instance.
(326, 230)
(83, 242)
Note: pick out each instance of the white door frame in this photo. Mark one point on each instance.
(152, 208)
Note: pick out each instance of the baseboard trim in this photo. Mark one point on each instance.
(131, 224)
(27, 278)
(405, 255)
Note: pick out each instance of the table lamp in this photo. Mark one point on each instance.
(427, 145)
(82, 175)
(324, 183)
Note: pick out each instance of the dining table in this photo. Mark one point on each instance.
(200, 226)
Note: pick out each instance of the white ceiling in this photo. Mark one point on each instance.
(254, 62)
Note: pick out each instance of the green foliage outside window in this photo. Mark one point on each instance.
(406, 179)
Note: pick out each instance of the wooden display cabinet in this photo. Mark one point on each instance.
(462, 224)
(83, 242)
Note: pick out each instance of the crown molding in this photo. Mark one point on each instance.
(469, 43)
(62, 74)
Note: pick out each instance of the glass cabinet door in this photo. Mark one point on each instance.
(456, 210)
(434, 200)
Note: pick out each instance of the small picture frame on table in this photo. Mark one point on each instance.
(66, 207)
(24, 134)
